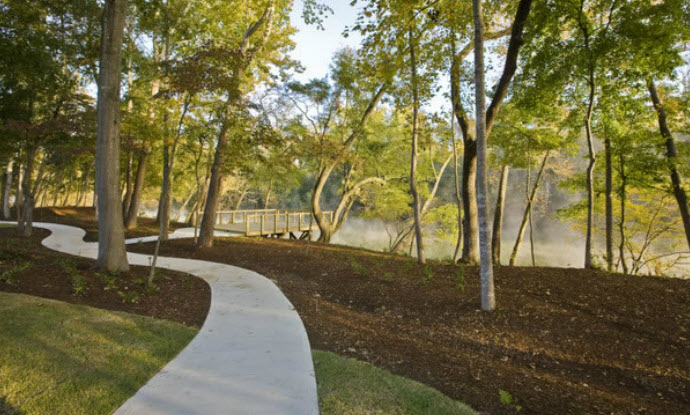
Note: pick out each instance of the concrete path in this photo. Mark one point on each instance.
(177, 234)
(251, 356)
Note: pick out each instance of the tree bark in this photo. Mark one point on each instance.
(590, 171)
(213, 195)
(416, 205)
(609, 204)
(488, 299)
(112, 256)
(621, 223)
(7, 191)
(458, 197)
(324, 225)
(498, 216)
(528, 209)
(133, 211)
(671, 156)
(127, 199)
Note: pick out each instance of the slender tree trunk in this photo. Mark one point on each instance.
(470, 249)
(133, 212)
(672, 158)
(498, 216)
(7, 191)
(488, 298)
(590, 171)
(127, 199)
(413, 156)
(25, 225)
(609, 205)
(68, 189)
(528, 208)
(112, 255)
(458, 197)
(621, 223)
(165, 201)
(208, 221)
(19, 199)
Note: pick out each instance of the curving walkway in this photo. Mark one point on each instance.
(251, 356)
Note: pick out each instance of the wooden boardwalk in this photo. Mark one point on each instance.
(268, 222)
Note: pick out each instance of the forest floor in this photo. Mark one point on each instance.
(563, 341)
(28, 267)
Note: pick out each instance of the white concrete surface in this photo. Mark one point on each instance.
(252, 355)
(177, 234)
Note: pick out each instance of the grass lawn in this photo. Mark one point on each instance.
(59, 358)
(350, 387)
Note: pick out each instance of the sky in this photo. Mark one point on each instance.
(314, 47)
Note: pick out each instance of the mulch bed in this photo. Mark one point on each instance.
(564, 341)
(29, 268)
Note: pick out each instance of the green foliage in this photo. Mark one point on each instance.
(79, 286)
(8, 276)
(428, 274)
(507, 399)
(358, 268)
(460, 278)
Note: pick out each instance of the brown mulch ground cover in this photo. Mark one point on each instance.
(83, 217)
(564, 341)
(29, 268)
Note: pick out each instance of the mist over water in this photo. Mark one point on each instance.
(555, 246)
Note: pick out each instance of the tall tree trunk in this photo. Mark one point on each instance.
(127, 199)
(590, 170)
(413, 155)
(19, 199)
(7, 191)
(498, 216)
(208, 221)
(671, 156)
(165, 201)
(470, 249)
(133, 211)
(609, 204)
(488, 298)
(25, 224)
(458, 197)
(528, 209)
(621, 223)
(112, 255)
(68, 189)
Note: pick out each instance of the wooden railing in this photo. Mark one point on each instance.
(261, 222)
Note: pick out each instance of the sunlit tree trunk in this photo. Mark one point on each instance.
(609, 204)
(528, 209)
(413, 155)
(133, 211)
(621, 223)
(111, 239)
(590, 171)
(498, 216)
(671, 156)
(486, 273)
(7, 190)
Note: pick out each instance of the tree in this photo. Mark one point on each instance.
(112, 255)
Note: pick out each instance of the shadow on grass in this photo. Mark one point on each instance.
(7, 409)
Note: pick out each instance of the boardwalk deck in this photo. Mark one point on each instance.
(267, 222)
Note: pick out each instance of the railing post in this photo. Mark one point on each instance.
(262, 224)
(275, 223)
(300, 222)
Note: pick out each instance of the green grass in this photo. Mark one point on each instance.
(351, 387)
(58, 358)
